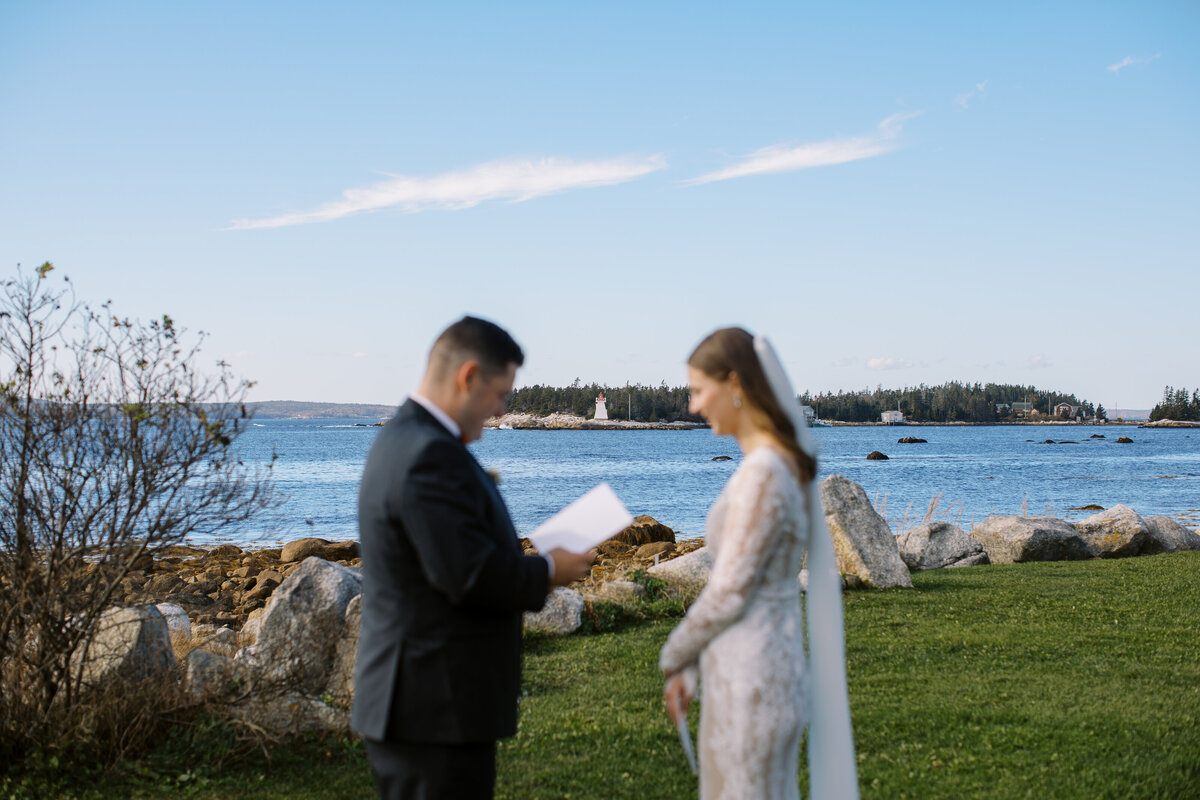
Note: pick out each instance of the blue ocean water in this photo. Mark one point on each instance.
(974, 471)
(671, 475)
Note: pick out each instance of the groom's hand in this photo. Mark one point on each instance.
(570, 567)
(675, 695)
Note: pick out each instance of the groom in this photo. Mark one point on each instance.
(444, 581)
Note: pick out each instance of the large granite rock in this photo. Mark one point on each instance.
(686, 574)
(562, 614)
(293, 713)
(934, 545)
(644, 530)
(1165, 535)
(209, 674)
(1011, 539)
(866, 550)
(654, 549)
(216, 639)
(131, 644)
(1119, 532)
(341, 674)
(320, 548)
(179, 628)
(248, 635)
(619, 591)
(300, 630)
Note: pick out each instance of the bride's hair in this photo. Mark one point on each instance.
(731, 351)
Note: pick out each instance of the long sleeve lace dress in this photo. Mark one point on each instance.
(745, 635)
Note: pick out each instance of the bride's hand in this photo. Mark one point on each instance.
(675, 695)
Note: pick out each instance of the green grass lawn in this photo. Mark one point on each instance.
(1057, 680)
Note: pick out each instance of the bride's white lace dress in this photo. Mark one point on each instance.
(745, 635)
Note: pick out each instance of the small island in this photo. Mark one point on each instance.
(297, 409)
(558, 421)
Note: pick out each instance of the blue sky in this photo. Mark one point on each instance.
(895, 193)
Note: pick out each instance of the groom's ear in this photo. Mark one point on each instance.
(465, 376)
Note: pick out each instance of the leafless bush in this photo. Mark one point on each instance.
(114, 444)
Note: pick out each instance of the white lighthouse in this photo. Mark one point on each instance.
(601, 408)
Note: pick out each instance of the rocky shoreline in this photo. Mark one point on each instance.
(273, 633)
(999, 423)
(227, 586)
(572, 422)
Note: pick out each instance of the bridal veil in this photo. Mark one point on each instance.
(831, 765)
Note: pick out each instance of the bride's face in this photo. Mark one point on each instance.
(713, 400)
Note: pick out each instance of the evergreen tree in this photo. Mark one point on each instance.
(1177, 405)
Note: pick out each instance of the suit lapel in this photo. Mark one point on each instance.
(494, 493)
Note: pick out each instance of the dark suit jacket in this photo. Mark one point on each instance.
(444, 588)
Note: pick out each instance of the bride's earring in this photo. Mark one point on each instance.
(737, 401)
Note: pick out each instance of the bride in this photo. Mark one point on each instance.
(742, 640)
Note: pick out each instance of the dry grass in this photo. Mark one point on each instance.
(953, 513)
(102, 724)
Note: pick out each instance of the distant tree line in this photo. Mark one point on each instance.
(948, 402)
(660, 403)
(1176, 404)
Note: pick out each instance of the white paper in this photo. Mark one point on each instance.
(685, 736)
(590, 520)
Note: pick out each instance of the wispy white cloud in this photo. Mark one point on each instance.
(888, 363)
(1129, 61)
(964, 99)
(1038, 362)
(789, 158)
(512, 180)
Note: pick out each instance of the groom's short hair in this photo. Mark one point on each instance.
(475, 339)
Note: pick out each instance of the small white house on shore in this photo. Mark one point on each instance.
(892, 417)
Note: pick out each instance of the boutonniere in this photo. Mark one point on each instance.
(494, 474)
